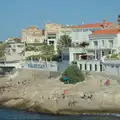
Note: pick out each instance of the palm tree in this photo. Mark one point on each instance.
(84, 44)
(65, 41)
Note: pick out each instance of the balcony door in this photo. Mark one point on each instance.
(110, 43)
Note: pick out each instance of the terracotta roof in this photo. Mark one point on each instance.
(33, 27)
(107, 31)
(91, 25)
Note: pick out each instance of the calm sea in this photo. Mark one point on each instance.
(10, 114)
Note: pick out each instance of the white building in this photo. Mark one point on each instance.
(14, 51)
(81, 33)
(78, 34)
(104, 42)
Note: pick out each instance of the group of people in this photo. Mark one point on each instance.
(106, 83)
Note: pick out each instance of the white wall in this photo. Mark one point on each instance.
(88, 63)
(80, 36)
(112, 66)
(105, 38)
(75, 50)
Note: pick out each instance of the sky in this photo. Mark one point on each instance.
(16, 15)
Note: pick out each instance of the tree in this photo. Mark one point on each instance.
(47, 51)
(2, 50)
(17, 40)
(74, 74)
(84, 44)
(65, 41)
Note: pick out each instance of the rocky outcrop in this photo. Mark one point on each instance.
(47, 95)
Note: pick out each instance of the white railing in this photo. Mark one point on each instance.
(102, 47)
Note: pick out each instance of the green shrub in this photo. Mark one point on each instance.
(74, 74)
(113, 57)
(74, 62)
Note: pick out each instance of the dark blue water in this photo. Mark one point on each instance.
(10, 114)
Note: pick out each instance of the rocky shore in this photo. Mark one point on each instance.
(36, 91)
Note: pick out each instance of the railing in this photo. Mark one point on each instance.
(102, 47)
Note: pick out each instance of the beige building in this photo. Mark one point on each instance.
(32, 34)
(52, 31)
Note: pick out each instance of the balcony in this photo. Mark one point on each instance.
(100, 47)
(77, 50)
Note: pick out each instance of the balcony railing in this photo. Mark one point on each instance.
(102, 47)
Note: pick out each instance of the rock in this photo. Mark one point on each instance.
(35, 95)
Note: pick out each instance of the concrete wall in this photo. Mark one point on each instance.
(88, 63)
(75, 50)
(80, 36)
(112, 66)
(13, 52)
(49, 66)
(11, 64)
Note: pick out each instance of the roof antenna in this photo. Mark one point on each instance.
(118, 22)
(82, 23)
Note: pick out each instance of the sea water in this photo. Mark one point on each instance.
(10, 114)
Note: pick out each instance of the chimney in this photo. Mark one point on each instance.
(118, 19)
(104, 23)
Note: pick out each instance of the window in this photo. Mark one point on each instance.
(109, 52)
(85, 30)
(112, 66)
(51, 36)
(80, 66)
(90, 67)
(51, 42)
(102, 42)
(85, 67)
(111, 43)
(117, 66)
(95, 67)
(101, 68)
(95, 44)
(103, 53)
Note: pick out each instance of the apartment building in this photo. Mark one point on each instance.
(32, 34)
(101, 43)
(104, 42)
(82, 34)
(52, 31)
